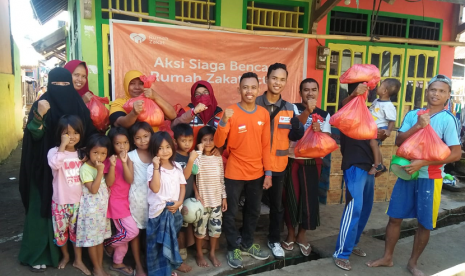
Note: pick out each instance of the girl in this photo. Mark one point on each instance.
(119, 173)
(140, 134)
(93, 226)
(165, 197)
(210, 190)
(67, 190)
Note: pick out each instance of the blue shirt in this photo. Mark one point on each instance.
(446, 127)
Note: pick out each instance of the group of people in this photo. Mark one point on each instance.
(74, 180)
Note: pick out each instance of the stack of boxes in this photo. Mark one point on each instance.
(383, 184)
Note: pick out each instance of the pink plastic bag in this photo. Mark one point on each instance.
(362, 73)
(152, 113)
(99, 113)
(425, 144)
(315, 144)
(355, 120)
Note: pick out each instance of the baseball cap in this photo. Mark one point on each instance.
(441, 78)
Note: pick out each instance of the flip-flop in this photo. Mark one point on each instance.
(305, 249)
(122, 271)
(288, 246)
(346, 263)
(359, 252)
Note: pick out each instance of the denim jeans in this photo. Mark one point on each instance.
(253, 190)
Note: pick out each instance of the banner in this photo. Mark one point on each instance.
(180, 56)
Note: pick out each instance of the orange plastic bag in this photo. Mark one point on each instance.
(99, 113)
(152, 113)
(362, 73)
(425, 144)
(355, 120)
(166, 126)
(315, 144)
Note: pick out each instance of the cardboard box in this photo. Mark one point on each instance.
(381, 183)
(333, 197)
(391, 139)
(386, 150)
(336, 167)
(335, 182)
(380, 194)
(336, 155)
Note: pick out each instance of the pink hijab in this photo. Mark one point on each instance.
(71, 66)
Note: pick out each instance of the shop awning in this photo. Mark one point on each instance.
(44, 10)
(53, 45)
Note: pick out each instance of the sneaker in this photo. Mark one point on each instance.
(255, 251)
(277, 250)
(234, 258)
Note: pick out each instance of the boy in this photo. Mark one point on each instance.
(285, 126)
(184, 139)
(420, 198)
(247, 128)
(384, 113)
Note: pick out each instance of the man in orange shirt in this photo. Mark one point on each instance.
(246, 126)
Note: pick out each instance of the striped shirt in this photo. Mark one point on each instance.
(210, 179)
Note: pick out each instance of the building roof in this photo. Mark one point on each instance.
(459, 53)
(53, 45)
(44, 10)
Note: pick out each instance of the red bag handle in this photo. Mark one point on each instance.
(148, 80)
(103, 100)
(422, 111)
(316, 118)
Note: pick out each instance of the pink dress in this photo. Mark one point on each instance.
(118, 205)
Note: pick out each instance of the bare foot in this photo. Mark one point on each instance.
(184, 268)
(64, 261)
(140, 271)
(214, 261)
(415, 271)
(82, 267)
(380, 262)
(200, 260)
(100, 272)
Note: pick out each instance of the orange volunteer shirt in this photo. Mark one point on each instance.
(248, 135)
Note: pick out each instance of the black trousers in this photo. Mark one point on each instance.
(275, 202)
(253, 190)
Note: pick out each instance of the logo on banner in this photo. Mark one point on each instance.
(137, 38)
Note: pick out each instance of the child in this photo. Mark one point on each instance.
(67, 190)
(184, 139)
(165, 197)
(209, 189)
(118, 174)
(92, 225)
(384, 113)
(140, 134)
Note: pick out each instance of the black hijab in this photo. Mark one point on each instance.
(63, 100)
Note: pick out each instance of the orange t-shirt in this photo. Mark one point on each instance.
(248, 135)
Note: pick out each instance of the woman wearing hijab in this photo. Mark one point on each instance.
(35, 182)
(203, 109)
(79, 72)
(134, 87)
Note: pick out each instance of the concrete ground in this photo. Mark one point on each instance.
(445, 250)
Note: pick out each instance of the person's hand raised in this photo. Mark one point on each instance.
(42, 107)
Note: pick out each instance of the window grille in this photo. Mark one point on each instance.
(390, 26)
(347, 23)
(137, 6)
(424, 30)
(265, 16)
(196, 11)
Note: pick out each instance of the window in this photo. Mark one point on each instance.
(273, 17)
(137, 6)
(345, 23)
(390, 26)
(196, 11)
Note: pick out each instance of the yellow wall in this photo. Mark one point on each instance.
(5, 45)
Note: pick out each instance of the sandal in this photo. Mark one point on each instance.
(122, 270)
(305, 249)
(36, 269)
(359, 252)
(342, 263)
(288, 246)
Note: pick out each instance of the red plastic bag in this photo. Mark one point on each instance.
(355, 120)
(148, 80)
(425, 144)
(99, 113)
(362, 73)
(166, 126)
(315, 144)
(152, 113)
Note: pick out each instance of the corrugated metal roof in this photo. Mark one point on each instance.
(44, 10)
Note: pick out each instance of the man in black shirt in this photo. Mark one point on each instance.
(357, 160)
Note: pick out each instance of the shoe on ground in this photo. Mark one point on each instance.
(255, 252)
(234, 258)
(276, 249)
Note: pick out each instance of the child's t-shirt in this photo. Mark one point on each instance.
(118, 205)
(169, 188)
(182, 160)
(210, 179)
(66, 182)
(383, 112)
